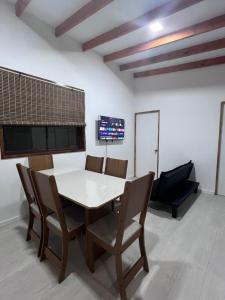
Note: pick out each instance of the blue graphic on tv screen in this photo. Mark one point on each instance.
(110, 128)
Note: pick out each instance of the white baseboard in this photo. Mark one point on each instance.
(210, 192)
(11, 220)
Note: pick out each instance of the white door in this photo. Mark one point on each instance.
(147, 148)
(221, 174)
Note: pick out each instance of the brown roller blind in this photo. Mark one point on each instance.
(27, 100)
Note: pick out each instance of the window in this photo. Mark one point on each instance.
(19, 141)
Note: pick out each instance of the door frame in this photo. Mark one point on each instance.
(222, 104)
(135, 135)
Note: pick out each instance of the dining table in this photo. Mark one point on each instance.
(90, 190)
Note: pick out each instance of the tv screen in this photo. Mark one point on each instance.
(110, 128)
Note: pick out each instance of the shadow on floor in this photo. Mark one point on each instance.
(102, 284)
(103, 281)
(160, 283)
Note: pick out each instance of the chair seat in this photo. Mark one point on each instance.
(74, 217)
(35, 209)
(105, 229)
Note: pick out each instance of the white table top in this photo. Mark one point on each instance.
(88, 189)
(58, 171)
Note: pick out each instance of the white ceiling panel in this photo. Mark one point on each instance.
(54, 12)
(114, 14)
(195, 14)
(184, 60)
(199, 39)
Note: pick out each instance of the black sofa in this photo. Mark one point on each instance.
(173, 187)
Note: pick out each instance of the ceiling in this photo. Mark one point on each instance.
(54, 12)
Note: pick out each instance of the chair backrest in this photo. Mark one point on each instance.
(48, 195)
(41, 162)
(116, 167)
(94, 164)
(134, 201)
(26, 183)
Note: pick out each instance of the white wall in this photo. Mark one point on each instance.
(29, 46)
(189, 104)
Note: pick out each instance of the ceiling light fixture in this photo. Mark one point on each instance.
(156, 26)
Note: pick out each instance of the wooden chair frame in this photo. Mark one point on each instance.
(124, 278)
(94, 163)
(64, 234)
(116, 167)
(41, 162)
(31, 198)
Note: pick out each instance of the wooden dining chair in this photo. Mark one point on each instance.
(33, 206)
(94, 164)
(41, 162)
(67, 223)
(116, 167)
(117, 231)
(45, 162)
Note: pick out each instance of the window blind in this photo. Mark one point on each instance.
(28, 100)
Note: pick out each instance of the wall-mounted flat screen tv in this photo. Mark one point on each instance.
(110, 128)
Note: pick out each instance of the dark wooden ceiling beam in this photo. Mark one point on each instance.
(20, 6)
(82, 14)
(197, 49)
(159, 12)
(206, 26)
(182, 67)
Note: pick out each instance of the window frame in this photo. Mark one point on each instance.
(19, 154)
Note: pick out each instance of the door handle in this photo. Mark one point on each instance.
(156, 150)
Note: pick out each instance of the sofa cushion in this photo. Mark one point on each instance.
(171, 179)
(179, 194)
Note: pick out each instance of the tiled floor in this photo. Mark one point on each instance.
(186, 259)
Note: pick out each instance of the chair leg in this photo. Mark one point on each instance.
(143, 251)
(174, 212)
(30, 225)
(45, 241)
(41, 238)
(89, 253)
(65, 248)
(120, 279)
